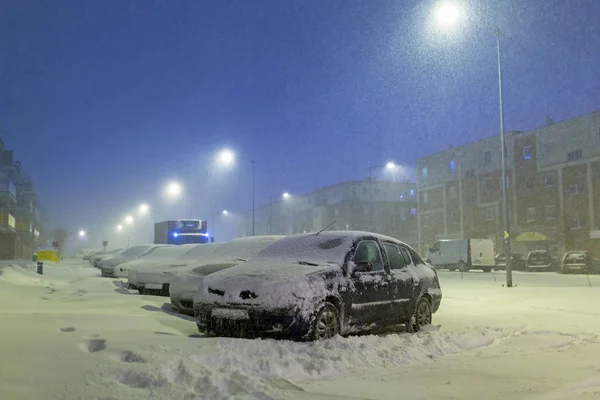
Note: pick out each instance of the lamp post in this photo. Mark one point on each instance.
(448, 14)
(388, 166)
(228, 157)
(284, 196)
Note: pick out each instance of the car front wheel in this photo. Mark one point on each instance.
(421, 316)
(327, 322)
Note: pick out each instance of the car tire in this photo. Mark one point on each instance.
(461, 266)
(421, 316)
(326, 323)
(487, 270)
(451, 269)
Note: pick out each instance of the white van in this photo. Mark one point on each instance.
(463, 254)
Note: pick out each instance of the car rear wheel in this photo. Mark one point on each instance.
(462, 266)
(421, 316)
(327, 322)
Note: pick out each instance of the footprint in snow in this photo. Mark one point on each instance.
(131, 357)
(67, 329)
(94, 345)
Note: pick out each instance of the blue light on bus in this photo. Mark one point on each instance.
(175, 234)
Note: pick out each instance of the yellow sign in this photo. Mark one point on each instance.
(47, 255)
(506, 235)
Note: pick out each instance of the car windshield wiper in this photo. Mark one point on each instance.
(308, 263)
(241, 259)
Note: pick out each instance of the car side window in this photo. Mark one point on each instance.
(395, 258)
(405, 256)
(368, 251)
(435, 247)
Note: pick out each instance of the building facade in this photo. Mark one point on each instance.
(369, 205)
(21, 219)
(553, 184)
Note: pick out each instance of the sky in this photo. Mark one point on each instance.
(106, 101)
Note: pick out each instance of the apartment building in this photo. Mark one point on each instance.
(21, 219)
(369, 205)
(553, 183)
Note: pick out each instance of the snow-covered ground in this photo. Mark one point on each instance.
(71, 334)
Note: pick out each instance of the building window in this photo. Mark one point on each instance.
(425, 197)
(529, 183)
(424, 172)
(454, 216)
(579, 223)
(452, 166)
(550, 212)
(527, 152)
(487, 184)
(487, 157)
(413, 211)
(531, 214)
(574, 155)
(452, 192)
(576, 188)
(412, 192)
(490, 213)
(549, 179)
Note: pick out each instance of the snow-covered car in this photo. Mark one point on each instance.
(578, 261)
(540, 260)
(183, 283)
(158, 260)
(85, 254)
(104, 254)
(161, 255)
(315, 286)
(518, 261)
(107, 265)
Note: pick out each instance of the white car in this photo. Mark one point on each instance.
(105, 254)
(184, 282)
(107, 266)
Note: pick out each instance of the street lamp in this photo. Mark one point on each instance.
(119, 228)
(390, 165)
(284, 196)
(227, 157)
(129, 219)
(448, 14)
(173, 189)
(82, 233)
(144, 208)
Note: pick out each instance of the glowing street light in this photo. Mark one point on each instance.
(227, 157)
(390, 165)
(129, 219)
(447, 14)
(285, 195)
(144, 208)
(119, 228)
(225, 212)
(174, 189)
(82, 233)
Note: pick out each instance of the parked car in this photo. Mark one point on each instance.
(104, 254)
(136, 276)
(107, 265)
(161, 256)
(462, 254)
(518, 261)
(315, 286)
(85, 254)
(540, 260)
(184, 282)
(579, 261)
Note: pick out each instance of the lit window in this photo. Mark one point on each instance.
(527, 152)
(452, 166)
(412, 193)
(413, 211)
(424, 172)
(401, 196)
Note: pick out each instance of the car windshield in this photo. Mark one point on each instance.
(311, 248)
(353, 173)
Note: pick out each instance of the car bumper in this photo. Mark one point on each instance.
(277, 323)
(108, 272)
(581, 268)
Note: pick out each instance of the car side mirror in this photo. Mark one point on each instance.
(364, 266)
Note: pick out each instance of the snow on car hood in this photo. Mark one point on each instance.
(266, 283)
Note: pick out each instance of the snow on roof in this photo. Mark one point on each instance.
(201, 250)
(243, 248)
(166, 252)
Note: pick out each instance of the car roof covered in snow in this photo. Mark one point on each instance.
(200, 250)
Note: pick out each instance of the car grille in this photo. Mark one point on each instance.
(240, 328)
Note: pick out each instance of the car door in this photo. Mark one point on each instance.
(370, 296)
(401, 283)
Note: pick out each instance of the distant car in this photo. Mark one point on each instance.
(107, 266)
(316, 286)
(102, 255)
(578, 261)
(160, 256)
(462, 254)
(518, 261)
(540, 260)
(184, 282)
